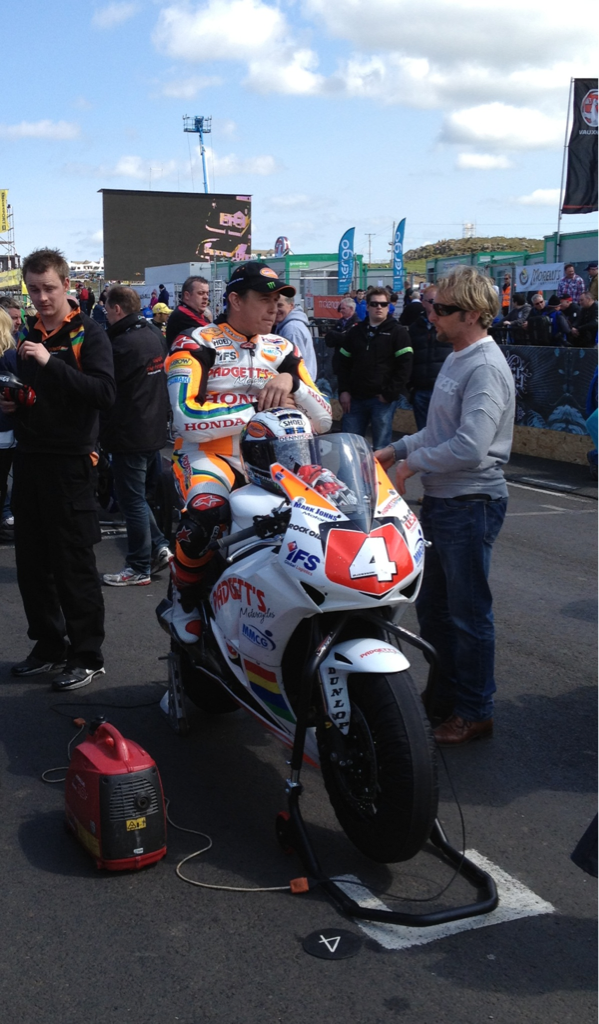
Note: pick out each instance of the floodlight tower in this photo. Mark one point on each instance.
(200, 126)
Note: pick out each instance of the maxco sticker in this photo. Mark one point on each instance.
(134, 823)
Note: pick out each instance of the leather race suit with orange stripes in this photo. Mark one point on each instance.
(215, 376)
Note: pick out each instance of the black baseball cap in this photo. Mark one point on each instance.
(591, 265)
(258, 277)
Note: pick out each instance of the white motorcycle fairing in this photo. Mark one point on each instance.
(327, 559)
(348, 658)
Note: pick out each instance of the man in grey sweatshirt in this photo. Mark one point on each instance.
(460, 455)
(292, 324)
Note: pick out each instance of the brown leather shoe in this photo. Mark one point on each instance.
(458, 730)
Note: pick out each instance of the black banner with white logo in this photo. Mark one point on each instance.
(581, 183)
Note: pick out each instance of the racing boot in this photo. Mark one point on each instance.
(183, 616)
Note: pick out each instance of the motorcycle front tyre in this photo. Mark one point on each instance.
(389, 741)
(204, 692)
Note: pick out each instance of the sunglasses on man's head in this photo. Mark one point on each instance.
(442, 310)
(378, 304)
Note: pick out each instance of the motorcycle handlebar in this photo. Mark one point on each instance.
(264, 526)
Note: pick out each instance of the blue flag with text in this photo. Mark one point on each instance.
(346, 262)
(398, 277)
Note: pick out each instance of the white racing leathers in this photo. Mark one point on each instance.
(215, 377)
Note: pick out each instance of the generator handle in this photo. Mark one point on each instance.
(113, 740)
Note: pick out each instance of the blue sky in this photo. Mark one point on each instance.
(331, 113)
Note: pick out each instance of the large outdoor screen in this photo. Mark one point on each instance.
(152, 229)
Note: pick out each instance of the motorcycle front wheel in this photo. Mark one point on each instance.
(382, 778)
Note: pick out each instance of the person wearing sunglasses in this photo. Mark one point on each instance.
(374, 366)
(460, 455)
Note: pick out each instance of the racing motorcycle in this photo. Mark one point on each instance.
(300, 628)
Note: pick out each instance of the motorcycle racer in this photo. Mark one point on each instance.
(218, 377)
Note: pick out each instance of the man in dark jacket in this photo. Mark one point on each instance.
(67, 360)
(163, 295)
(374, 368)
(334, 337)
(134, 431)
(189, 314)
(516, 316)
(429, 356)
(546, 325)
(570, 310)
(584, 335)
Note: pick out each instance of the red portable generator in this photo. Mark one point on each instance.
(114, 802)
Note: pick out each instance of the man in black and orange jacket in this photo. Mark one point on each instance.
(67, 359)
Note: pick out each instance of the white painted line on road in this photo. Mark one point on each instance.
(559, 512)
(540, 490)
(515, 902)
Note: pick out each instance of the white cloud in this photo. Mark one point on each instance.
(227, 30)
(187, 88)
(299, 200)
(223, 126)
(59, 130)
(290, 73)
(224, 166)
(290, 201)
(500, 126)
(482, 162)
(156, 169)
(114, 14)
(503, 34)
(143, 170)
(540, 197)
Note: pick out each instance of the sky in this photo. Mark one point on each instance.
(330, 113)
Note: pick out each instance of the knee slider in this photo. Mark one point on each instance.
(206, 518)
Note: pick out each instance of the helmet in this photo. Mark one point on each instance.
(279, 435)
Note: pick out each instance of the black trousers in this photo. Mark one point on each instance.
(56, 526)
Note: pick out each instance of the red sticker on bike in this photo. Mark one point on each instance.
(371, 563)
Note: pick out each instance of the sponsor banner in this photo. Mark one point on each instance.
(11, 279)
(581, 181)
(4, 225)
(282, 246)
(542, 276)
(299, 264)
(327, 306)
(398, 274)
(346, 261)
(551, 385)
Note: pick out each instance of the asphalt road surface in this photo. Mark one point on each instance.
(145, 948)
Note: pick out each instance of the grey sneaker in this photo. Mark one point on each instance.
(127, 577)
(161, 559)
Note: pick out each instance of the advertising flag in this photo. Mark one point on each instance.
(581, 182)
(346, 261)
(4, 225)
(282, 247)
(398, 278)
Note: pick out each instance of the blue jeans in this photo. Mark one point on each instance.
(370, 411)
(130, 473)
(420, 404)
(454, 605)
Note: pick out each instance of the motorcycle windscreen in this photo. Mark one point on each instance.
(343, 471)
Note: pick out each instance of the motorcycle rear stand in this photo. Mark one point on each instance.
(293, 833)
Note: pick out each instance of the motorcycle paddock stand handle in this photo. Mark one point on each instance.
(298, 834)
